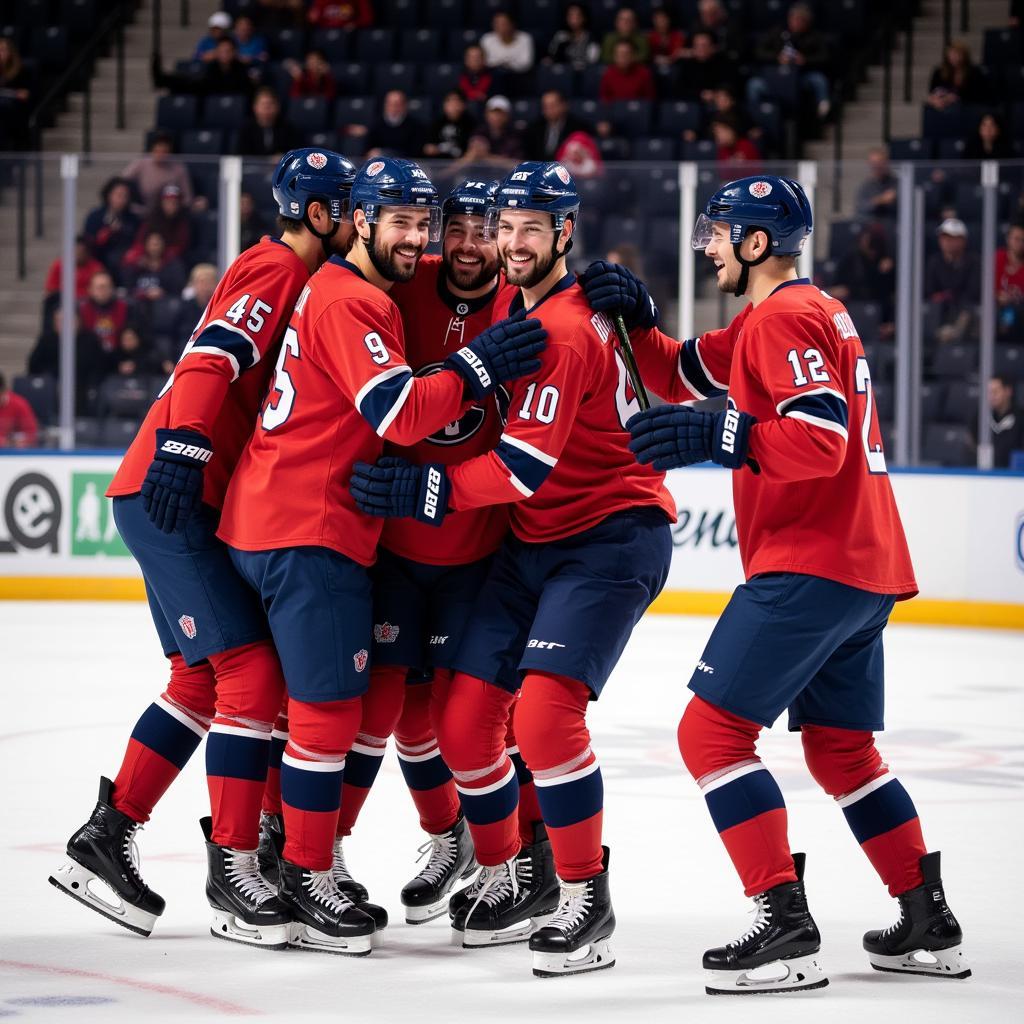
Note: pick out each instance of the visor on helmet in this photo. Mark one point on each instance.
(373, 212)
(703, 232)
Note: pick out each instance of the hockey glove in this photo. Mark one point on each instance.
(173, 486)
(398, 489)
(506, 351)
(612, 288)
(676, 435)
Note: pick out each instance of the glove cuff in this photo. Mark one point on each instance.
(474, 369)
(732, 438)
(432, 500)
(185, 447)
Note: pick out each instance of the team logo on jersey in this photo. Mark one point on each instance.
(760, 189)
(385, 633)
(317, 161)
(375, 168)
(563, 174)
(462, 308)
(458, 430)
(188, 626)
(360, 658)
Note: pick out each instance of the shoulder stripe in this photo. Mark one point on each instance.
(799, 397)
(529, 449)
(819, 421)
(381, 398)
(232, 329)
(692, 373)
(527, 466)
(704, 366)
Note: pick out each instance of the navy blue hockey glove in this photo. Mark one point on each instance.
(612, 288)
(398, 489)
(676, 435)
(506, 351)
(173, 486)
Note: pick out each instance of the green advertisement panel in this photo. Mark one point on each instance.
(93, 531)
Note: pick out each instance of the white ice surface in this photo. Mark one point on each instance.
(75, 677)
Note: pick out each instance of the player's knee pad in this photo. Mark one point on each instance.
(382, 702)
(324, 729)
(472, 728)
(840, 760)
(711, 739)
(192, 689)
(550, 724)
(250, 683)
(414, 725)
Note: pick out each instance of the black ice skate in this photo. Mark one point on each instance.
(245, 906)
(575, 940)
(779, 953)
(357, 893)
(512, 900)
(325, 919)
(271, 844)
(926, 938)
(103, 851)
(450, 861)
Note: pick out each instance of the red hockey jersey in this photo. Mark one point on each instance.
(563, 457)
(341, 388)
(222, 376)
(437, 323)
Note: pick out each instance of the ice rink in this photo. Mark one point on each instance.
(77, 675)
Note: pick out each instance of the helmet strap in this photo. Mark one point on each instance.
(324, 236)
(744, 278)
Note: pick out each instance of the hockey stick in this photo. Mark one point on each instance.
(629, 360)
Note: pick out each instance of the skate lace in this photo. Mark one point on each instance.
(762, 918)
(893, 928)
(443, 850)
(574, 901)
(323, 888)
(243, 872)
(130, 851)
(496, 883)
(339, 868)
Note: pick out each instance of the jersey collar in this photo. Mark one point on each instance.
(787, 284)
(517, 303)
(458, 305)
(340, 261)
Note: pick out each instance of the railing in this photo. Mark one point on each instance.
(184, 20)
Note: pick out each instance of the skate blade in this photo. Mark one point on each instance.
(800, 974)
(430, 912)
(595, 956)
(938, 963)
(473, 938)
(228, 926)
(313, 941)
(377, 938)
(91, 891)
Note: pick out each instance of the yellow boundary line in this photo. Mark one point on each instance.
(922, 611)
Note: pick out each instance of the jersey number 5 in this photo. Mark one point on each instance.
(277, 412)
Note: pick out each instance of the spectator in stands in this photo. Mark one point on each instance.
(573, 44)
(202, 283)
(156, 273)
(311, 78)
(218, 27)
(90, 360)
(395, 132)
(952, 282)
(957, 80)
(266, 132)
(798, 45)
(666, 42)
(251, 222)
(132, 357)
(226, 74)
(252, 45)
(1007, 424)
(15, 97)
(505, 47)
(496, 141)
(476, 81)
(86, 265)
(1010, 285)
(102, 311)
(347, 15)
(110, 228)
(713, 19)
(989, 142)
(624, 78)
(544, 137)
(171, 221)
(877, 196)
(704, 71)
(867, 273)
(18, 425)
(149, 174)
(450, 133)
(626, 28)
(737, 155)
(581, 156)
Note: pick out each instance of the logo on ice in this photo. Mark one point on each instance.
(188, 626)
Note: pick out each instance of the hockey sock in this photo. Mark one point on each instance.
(744, 799)
(249, 688)
(427, 776)
(472, 739)
(529, 808)
(382, 706)
(879, 811)
(278, 739)
(164, 738)
(550, 723)
(312, 771)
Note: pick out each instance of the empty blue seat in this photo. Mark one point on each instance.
(354, 110)
(352, 78)
(654, 147)
(561, 77)
(911, 149)
(204, 141)
(677, 116)
(394, 76)
(419, 45)
(375, 44)
(40, 391)
(334, 42)
(288, 44)
(224, 111)
(177, 112)
(457, 40)
(630, 118)
(308, 114)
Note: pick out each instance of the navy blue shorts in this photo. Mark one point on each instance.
(320, 609)
(567, 607)
(199, 604)
(805, 643)
(420, 610)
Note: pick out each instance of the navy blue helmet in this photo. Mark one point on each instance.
(472, 198)
(304, 175)
(545, 186)
(391, 181)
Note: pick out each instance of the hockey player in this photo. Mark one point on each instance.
(825, 560)
(342, 388)
(225, 675)
(590, 550)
